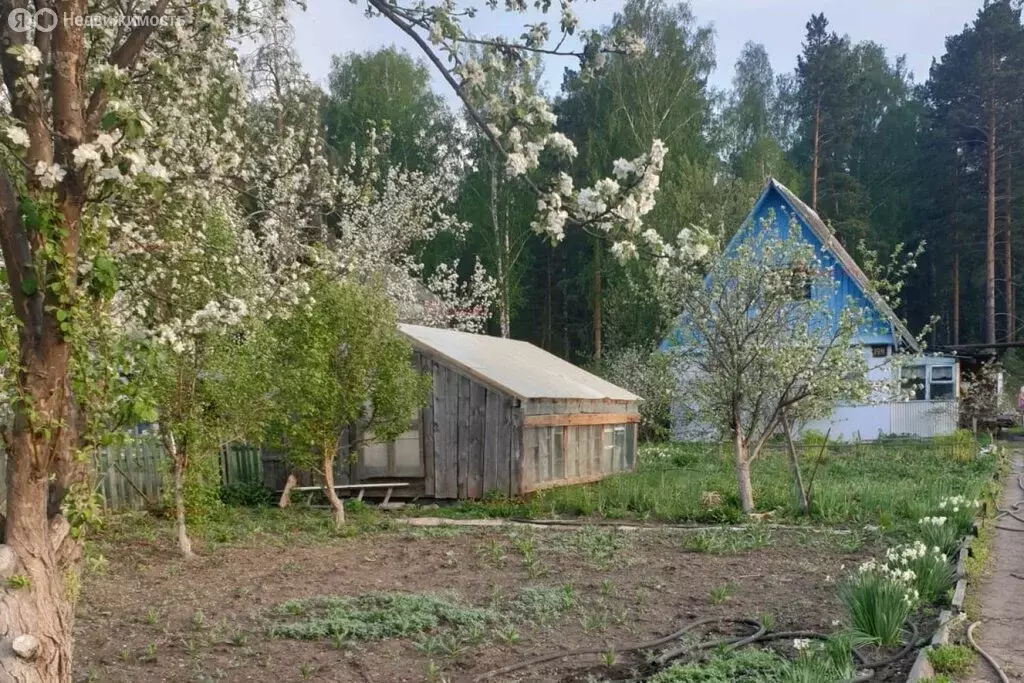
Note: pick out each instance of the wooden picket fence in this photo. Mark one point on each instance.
(132, 475)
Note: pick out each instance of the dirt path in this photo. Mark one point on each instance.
(1001, 632)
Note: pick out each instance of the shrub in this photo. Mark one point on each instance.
(933, 573)
(939, 532)
(878, 600)
(954, 660)
(246, 493)
(648, 374)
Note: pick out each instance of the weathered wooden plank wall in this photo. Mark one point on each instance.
(475, 443)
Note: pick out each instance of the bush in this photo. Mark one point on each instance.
(247, 494)
(878, 600)
(933, 573)
(647, 374)
(954, 660)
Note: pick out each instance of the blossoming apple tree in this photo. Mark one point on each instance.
(759, 345)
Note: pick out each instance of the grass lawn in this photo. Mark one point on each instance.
(890, 484)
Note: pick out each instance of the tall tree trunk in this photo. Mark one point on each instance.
(548, 334)
(179, 465)
(990, 232)
(327, 463)
(501, 247)
(743, 469)
(794, 466)
(37, 607)
(956, 251)
(815, 153)
(597, 298)
(1008, 254)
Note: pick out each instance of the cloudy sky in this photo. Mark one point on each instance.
(915, 28)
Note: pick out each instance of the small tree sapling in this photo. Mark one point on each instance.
(340, 363)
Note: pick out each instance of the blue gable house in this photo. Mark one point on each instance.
(933, 408)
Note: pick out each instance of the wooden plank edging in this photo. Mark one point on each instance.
(922, 668)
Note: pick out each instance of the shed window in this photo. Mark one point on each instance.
(879, 350)
(931, 383)
(618, 448)
(941, 386)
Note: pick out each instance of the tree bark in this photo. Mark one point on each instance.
(990, 232)
(815, 153)
(597, 298)
(794, 466)
(286, 495)
(956, 252)
(39, 549)
(743, 470)
(327, 462)
(502, 250)
(179, 464)
(1008, 254)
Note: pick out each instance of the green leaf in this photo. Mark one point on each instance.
(110, 121)
(62, 315)
(29, 286)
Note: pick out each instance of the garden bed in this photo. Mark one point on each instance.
(236, 613)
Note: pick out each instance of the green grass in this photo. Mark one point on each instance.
(954, 660)
(888, 484)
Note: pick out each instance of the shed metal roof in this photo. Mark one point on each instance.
(515, 367)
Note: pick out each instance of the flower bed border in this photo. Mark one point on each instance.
(922, 668)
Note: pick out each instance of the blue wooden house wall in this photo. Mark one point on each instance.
(773, 211)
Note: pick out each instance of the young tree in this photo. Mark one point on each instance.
(340, 364)
(759, 344)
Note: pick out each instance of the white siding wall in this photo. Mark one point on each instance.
(879, 417)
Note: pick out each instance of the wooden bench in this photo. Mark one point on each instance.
(390, 486)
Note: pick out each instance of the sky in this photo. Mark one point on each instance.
(915, 28)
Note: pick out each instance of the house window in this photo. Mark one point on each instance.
(879, 350)
(941, 386)
(799, 282)
(912, 379)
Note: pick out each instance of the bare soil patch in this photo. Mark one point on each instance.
(148, 616)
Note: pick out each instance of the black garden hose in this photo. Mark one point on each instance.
(760, 634)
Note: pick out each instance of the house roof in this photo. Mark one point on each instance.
(828, 241)
(516, 367)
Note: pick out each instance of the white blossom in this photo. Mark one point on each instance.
(18, 136)
(49, 174)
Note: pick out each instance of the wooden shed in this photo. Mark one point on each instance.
(504, 417)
